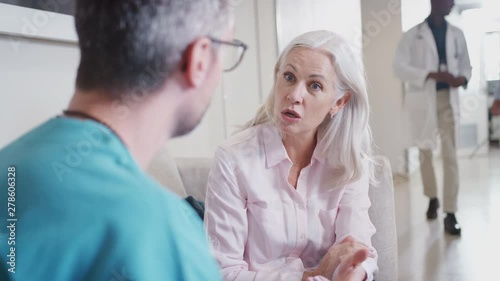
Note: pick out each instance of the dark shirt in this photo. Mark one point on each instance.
(440, 38)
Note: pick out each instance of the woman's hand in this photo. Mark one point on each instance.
(458, 82)
(444, 77)
(350, 268)
(335, 255)
(317, 278)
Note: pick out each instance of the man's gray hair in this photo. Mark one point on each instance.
(130, 45)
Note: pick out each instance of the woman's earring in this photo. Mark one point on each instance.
(331, 115)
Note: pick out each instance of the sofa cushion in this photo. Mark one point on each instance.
(194, 174)
(164, 169)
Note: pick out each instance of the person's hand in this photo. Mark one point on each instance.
(350, 268)
(444, 77)
(457, 82)
(333, 257)
(317, 278)
(495, 108)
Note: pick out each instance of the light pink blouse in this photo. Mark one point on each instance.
(261, 228)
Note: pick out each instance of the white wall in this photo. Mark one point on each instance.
(36, 75)
(37, 82)
(381, 20)
(268, 43)
(295, 17)
(414, 12)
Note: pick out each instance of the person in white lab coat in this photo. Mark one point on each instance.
(432, 59)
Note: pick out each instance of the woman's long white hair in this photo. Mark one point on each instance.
(346, 138)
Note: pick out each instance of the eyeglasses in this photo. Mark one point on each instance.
(233, 55)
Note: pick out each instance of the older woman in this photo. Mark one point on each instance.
(287, 198)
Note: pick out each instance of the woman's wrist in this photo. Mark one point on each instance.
(308, 274)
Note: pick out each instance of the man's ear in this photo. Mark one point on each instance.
(197, 60)
(340, 103)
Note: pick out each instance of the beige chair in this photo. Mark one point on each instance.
(190, 177)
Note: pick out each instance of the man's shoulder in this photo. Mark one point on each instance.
(414, 29)
(455, 28)
(23, 141)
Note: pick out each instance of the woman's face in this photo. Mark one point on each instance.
(305, 91)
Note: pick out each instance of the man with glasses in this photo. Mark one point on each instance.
(85, 208)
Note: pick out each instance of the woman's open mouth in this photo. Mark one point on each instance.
(290, 116)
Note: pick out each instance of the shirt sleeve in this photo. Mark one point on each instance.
(353, 220)
(403, 68)
(226, 225)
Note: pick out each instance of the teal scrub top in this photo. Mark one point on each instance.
(82, 209)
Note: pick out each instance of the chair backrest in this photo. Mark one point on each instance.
(383, 217)
(194, 173)
(164, 169)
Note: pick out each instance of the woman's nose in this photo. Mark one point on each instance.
(296, 95)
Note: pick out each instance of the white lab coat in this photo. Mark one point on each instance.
(416, 56)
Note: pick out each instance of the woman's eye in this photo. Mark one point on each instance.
(316, 86)
(288, 76)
